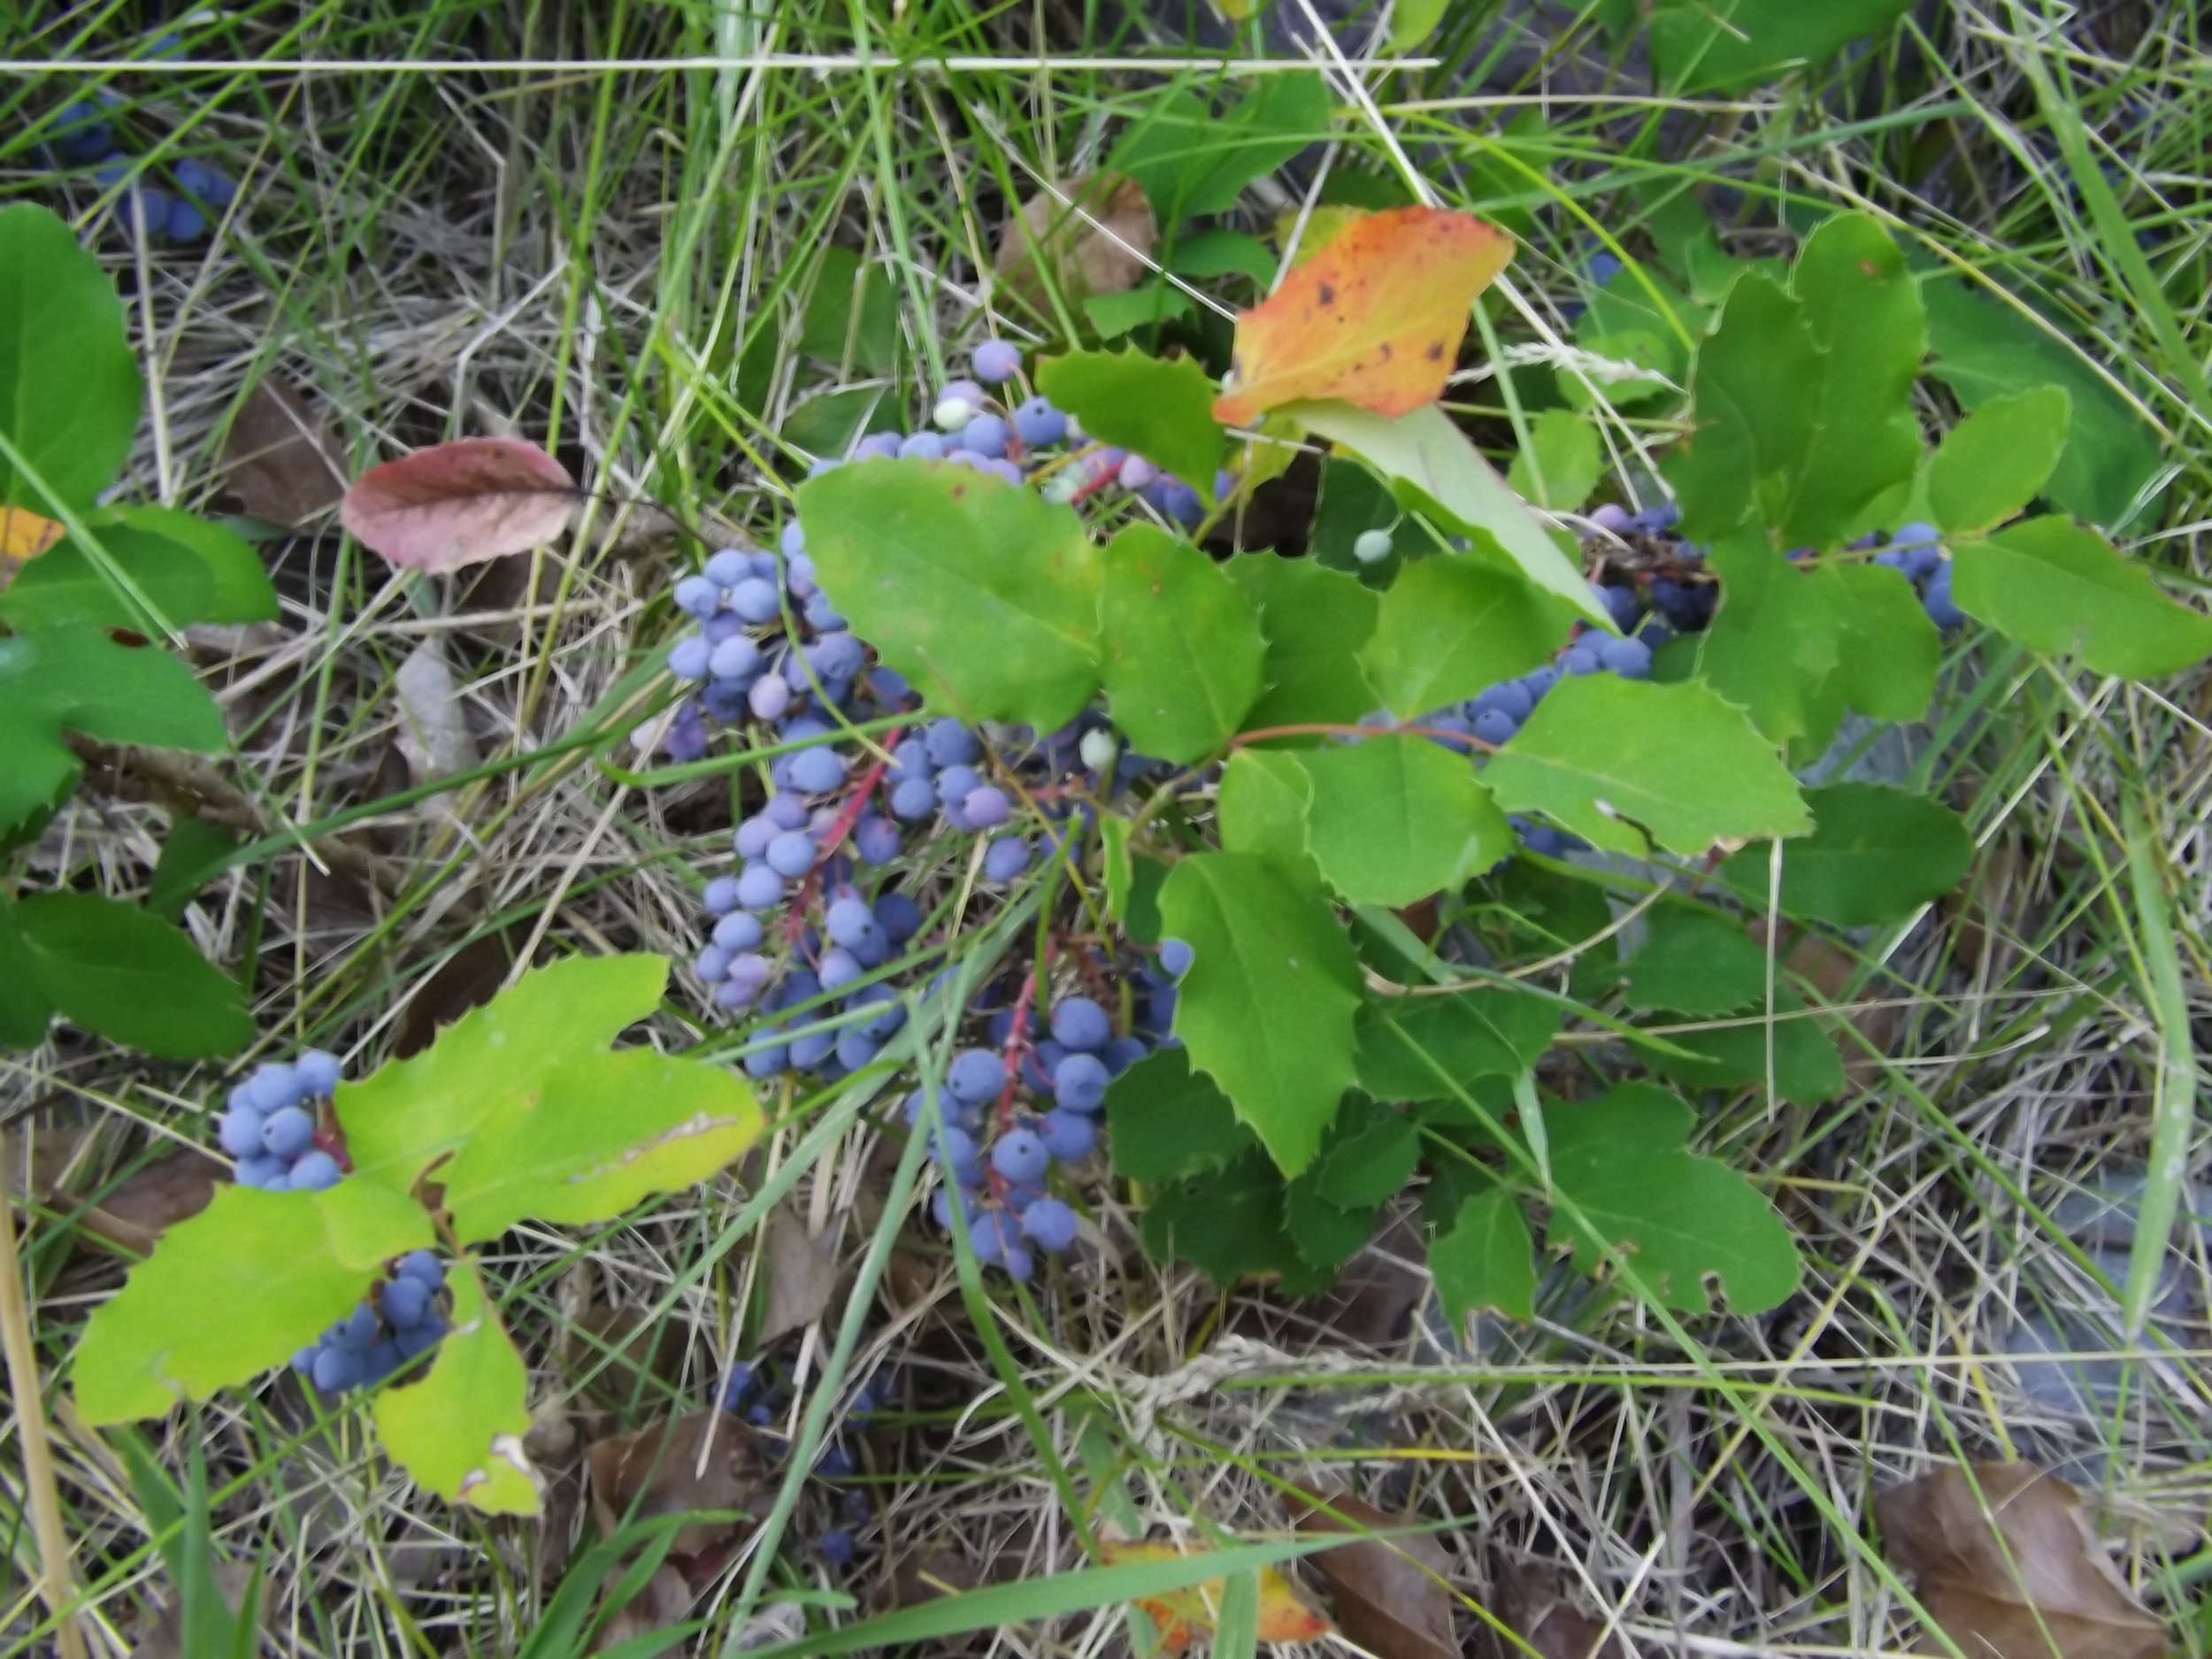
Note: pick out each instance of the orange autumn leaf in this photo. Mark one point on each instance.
(24, 534)
(1284, 1614)
(1374, 318)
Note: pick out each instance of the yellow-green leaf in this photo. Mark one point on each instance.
(458, 1430)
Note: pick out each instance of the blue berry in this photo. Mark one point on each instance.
(1050, 1225)
(837, 1546)
(976, 1076)
(1019, 1155)
(1078, 1083)
(1038, 423)
(995, 361)
(1067, 1135)
(1005, 859)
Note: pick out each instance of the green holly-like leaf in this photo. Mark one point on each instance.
(1695, 961)
(1231, 1223)
(1486, 1258)
(1161, 408)
(1626, 763)
(1618, 1168)
(1167, 1122)
(1752, 408)
(1113, 315)
(1192, 160)
(1354, 500)
(1433, 468)
(1876, 855)
(25, 1010)
(594, 1136)
(135, 979)
(1704, 45)
(410, 1114)
(1887, 647)
(1417, 1048)
(1772, 649)
(1326, 1236)
(982, 593)
(195, 849)
(1314, 620)
(1806, 1069)
(1394, 818)
(2059, 588)
(190, 571)
(1266, 1008)
(69, 385)
(1262, 806)
(1991, 464)
(458, 1430)
(1451, 626)
(1182, 645)
(236, 1289)
(1370, 1158)
(78, 680)
(1562, 463)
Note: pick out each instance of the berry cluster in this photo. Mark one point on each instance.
(183, 212)
(403, 1316)
(274, 1125)
(1916, 552)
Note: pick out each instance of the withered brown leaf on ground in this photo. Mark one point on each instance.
(470, 978)
(657, 1471)
(283, 459)
(1532, 1599)
(2007, 1567)
(137, 1210)
(459, 503)
(1088, 235)
(801, 1275)
(1390, 1594)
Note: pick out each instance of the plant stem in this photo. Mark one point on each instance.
(38, 1462)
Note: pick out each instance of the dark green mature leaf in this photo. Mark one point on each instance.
(1405, 1041)
(194, 848)
(1562, 463)
(1367, 1160)
(112, 969)
(1161, 408)
(1167, 1122)
(981, 594)
(1393, 819)
(1806, 1067)
(1486, 1258)
(459, 1430)
(1617, 1165)
(1229, 1222)
(1752, 401)
(1985, 350)
(2059, 588)
(234, 1290)
(25, 1010)
(1325, 1234)
(1703, 45)
(1695, 961)
(69, 385)
(190, 570)
(1991, 464)
(78, 680)
(1192, 161)
(1181, 645)
(1266, 1008)
(830, 423)
(1876, 855)
(1773, 648)
(1354, 499)
(852, 314)
(1314, 620)
(1261, 807)
(1450, 627)
(1626, 764)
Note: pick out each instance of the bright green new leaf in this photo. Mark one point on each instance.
(1413, 21)
(1695, 961)
(69, 385)
(1432, 467)
(1629, 764)
(1887, 647)
(190, 569)
(1181, 645)
(1266, 1008)
(1876, 855)
(133, 977)
(1562, 465)
(1222, 252)
(1752, 401)
(1167, 1122)
(1705, 45)
(1772, 648)
(234, 1290)
(1806, 1068)
(1419, 1048)
(1486, 1259)
(1367, 1161)
(78, 680)
(1314, 620)
(1617, 1165)
(1451, 626)
(1991, 464)
(458, 1430)
(1192, 161)
(596, 1136)
(2063, 590)
(983, 595)
(1394, 818)
(1113, 315)
(1161, 408)
(1262, 806)
(411, 1113)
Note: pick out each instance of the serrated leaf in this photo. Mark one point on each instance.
(1806, 1067)
(1326, 1236)
(1261, 808)
(69, 384)
(1161, 408)
(1181, 645)
(1229, 1222)
(1750, 408)
(112, 968)
(1619, 761)
(25, 1010)
(1314, 620)
(1374, 318)
(1619, 1160)
(2061, 589)
(1266, 1008)
(188, 568)
(1486, 1259)
(1876, 855)
(596, 1136)
(409, 1114)
(1695, 961)
(458, 1430)
(1404, 1041)
(1773, 648)
(1991, 464)
(1562, 463)
(459, 503)
(1448, 627)
(1167, 1122)
(1887, 647)
(1193, 160)
(1702, 45)
(234, 1290)
(983, 595)
(78, 680)
(1433, 468)
(192, 850)
(1393, 819)
(1366, 1162)
(1113, 315)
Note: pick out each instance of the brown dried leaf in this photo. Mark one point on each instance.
(1095, 241)
(24, 536)
(640, 1344)
(133, 1215)
(657, 1472)
(1829, 969)
(665, 1599)
(460, 504)
(470, 978)
(926, 1575)
(2008, 1568)
(802, 1277)
(282, 459)
(1531, 1601)
(1391, 1597)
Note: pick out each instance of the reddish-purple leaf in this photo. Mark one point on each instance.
(460, 504)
